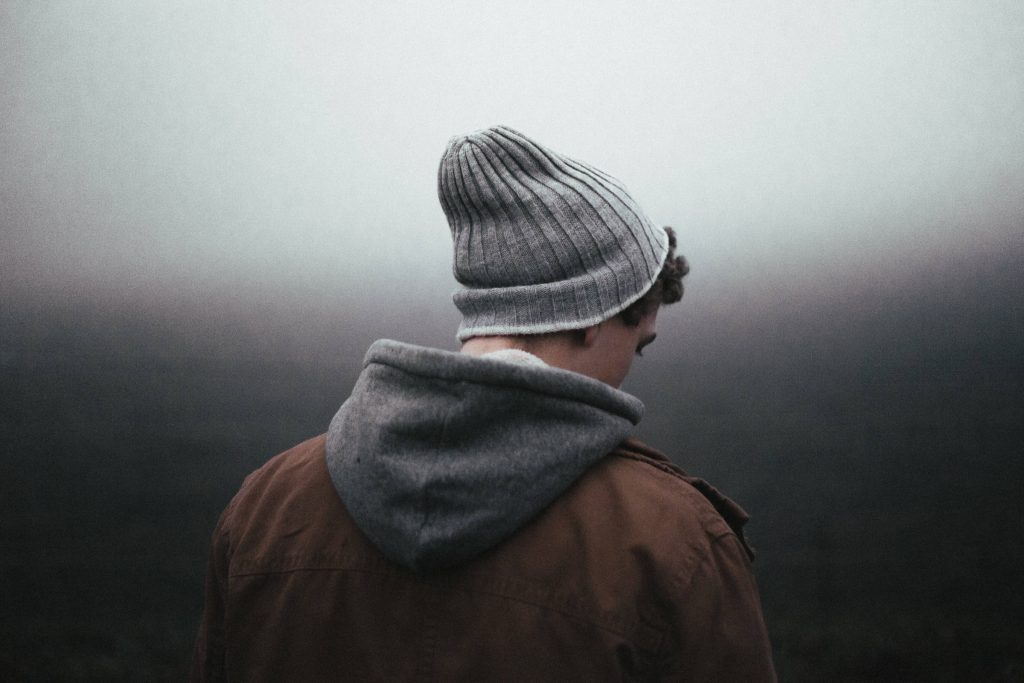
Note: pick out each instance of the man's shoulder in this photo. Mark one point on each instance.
(629, 537)
(293, 462)
(295, 478)
(659, 493)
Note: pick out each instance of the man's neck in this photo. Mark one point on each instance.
(478, 346)
(555, 350)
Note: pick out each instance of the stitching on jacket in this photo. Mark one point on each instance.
(476, 585)
(671, 470)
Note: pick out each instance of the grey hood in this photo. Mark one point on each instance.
(438, 456)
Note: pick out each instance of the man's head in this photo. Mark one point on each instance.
(555, 256)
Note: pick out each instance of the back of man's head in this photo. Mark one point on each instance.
(544, 243)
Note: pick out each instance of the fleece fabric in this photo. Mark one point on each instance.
(440, 455)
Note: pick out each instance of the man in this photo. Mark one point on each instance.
(483, 515)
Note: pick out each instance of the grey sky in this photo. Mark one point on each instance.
(149, 144)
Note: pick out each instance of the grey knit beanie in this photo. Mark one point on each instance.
(542, 242)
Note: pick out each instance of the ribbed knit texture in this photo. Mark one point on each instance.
(542, 242)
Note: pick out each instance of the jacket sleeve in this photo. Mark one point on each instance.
(208, 657)
(720, 634)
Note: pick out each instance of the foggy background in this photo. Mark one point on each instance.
(208, 212)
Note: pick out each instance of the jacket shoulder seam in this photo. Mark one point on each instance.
(708, 523)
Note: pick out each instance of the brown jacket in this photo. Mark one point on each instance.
(636, 572)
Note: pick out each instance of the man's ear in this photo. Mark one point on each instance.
(590, 334)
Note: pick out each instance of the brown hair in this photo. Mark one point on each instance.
(667, 288)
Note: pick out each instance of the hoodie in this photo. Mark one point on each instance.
(439, 455)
